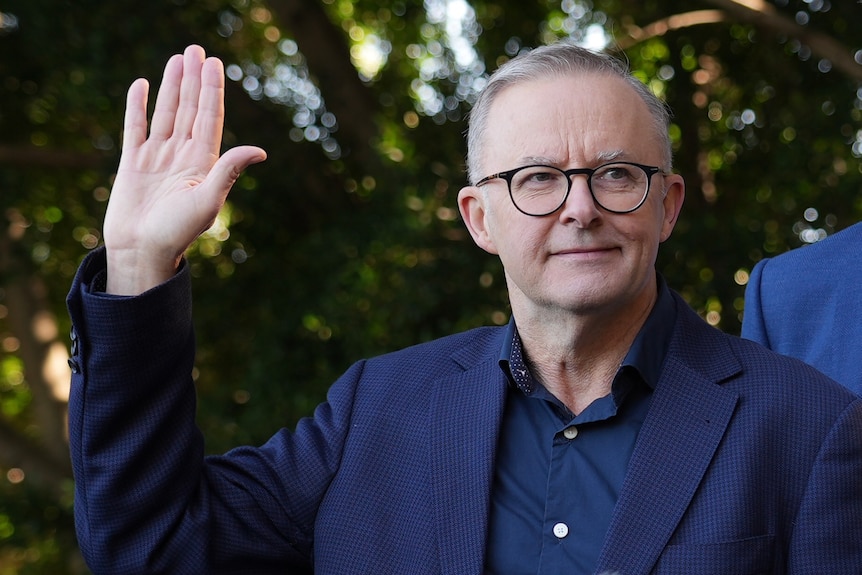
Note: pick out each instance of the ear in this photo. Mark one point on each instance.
(672, 202)
(474, 212)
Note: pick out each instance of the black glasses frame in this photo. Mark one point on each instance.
(508, 175)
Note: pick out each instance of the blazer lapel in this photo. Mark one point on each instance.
(464, 421)
(687, 420)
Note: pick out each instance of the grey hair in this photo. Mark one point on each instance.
(552, 61)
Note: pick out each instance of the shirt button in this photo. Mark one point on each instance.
(570, 432)
(561, 530)
(73, 365)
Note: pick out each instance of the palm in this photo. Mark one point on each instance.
(161, 197)
(171, 182)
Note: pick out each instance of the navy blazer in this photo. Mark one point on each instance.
(807, 303)
(748, 462)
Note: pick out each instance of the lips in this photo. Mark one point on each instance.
(585, 254)
(582, 250)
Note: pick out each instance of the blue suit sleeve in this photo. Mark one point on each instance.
(828, 526)
(753, 324)
(147, 500)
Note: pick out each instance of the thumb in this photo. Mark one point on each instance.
(212, 192)
(227, 169)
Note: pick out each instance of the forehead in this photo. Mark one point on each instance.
(569, 120)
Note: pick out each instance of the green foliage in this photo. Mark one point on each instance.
(346, 243)
(34, 532)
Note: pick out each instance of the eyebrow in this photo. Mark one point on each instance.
(527, 160)
(601, 157)
(611, 155)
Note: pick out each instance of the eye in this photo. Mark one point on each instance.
(538, 177)
(617, 173)
(541, 176)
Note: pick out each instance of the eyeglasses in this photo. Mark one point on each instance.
(537, 190)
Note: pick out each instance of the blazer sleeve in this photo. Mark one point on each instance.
(827, 536)
(753, 322)
(146, 498)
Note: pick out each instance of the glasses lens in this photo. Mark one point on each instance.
(619, 187)
(539, 190)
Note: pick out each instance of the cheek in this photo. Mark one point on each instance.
(643, 237)
(519, 246)
(650, 226)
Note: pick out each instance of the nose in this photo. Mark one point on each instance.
(580, 207)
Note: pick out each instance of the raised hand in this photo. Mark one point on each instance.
(171, 183)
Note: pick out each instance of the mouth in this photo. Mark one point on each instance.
(583, 250)
(584, 253)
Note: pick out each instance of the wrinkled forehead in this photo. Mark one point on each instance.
(582, 118)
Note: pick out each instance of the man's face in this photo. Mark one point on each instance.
(581, 258)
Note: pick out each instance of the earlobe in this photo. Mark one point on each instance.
(672, 202)
(474, 212)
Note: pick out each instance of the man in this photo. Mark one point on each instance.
(606, 429)
(807, 303)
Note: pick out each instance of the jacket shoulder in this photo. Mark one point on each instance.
(749, 366)
(822, 255)
(463, 349)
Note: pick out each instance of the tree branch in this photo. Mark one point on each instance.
(636, 35)
(764, 15)
(49, 158)
(42, 469)
(328, 57)
(757, 13)
(36, 330)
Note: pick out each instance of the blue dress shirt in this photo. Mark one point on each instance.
(558, 476)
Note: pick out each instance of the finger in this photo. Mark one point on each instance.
(209, 123)
(135, 119)
(227, 170)
(190, 89)
(167, 99)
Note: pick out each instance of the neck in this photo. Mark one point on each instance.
(576, 356)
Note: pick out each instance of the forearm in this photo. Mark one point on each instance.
(146, 498)
(131, 416)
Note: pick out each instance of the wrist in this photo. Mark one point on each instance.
(131, 273)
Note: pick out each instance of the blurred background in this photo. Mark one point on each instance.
(347, 241)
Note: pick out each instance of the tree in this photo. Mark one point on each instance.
(767, 115)
(346, 242)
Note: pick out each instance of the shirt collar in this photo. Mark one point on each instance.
(649, 348)
(646, 354)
